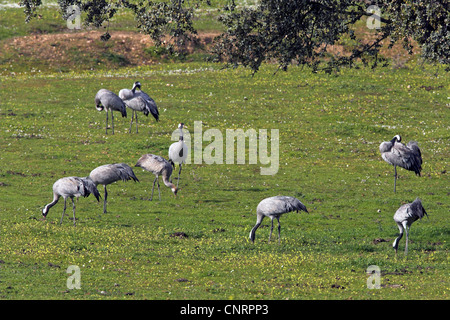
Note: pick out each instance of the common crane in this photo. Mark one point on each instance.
(70, 187)
(273, 208)
(404, 217)
(109, 101)
(178, 152)
(138, 101)
(109, 173)
(159, 167)
(396, 153)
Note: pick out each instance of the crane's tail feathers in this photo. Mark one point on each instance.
(155, 115)
(90, 187)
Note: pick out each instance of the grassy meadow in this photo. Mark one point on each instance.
(195, 245)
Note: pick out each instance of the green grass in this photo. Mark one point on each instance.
(330, 128)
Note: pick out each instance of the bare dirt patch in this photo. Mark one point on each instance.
(82, 50)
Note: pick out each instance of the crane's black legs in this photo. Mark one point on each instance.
(159, 192)
(179, 172)
(106, 127)
(270, 234)
(135, 118)
(104, 202)
(134, 114)
(64, 211)
(112, 121)
(154, 181)
(279, 230)
(73, 207)
(407, 235)
(395, 177)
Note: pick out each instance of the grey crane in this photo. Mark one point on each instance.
(404, 217)
(109, 173)
(70, 187)
(159, 167)
(273, 208)
(109, 101)
(138, 101)
(396, 153)
(178, 152)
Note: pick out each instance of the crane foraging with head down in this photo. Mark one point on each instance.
(159, 167)
(396, 153)
(109, 173)
(138, 101)
(273, 208)
(404, 217)
(109, 101)
(70, 187)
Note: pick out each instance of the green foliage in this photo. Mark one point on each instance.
(289, 32)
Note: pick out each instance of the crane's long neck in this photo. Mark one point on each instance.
(397, 240)
(167, 183)
(259, 220)
(181, 134)
(51, 204)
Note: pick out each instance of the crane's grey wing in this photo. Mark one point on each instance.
(89, 187)
(138, 104)
(108, 99)
(402, 156)
(68, 186)
(279, 205)
(402, 213)
(417, 210)
(150, 103)
(294, 204)
(416, 156)
(125, 172)
(410, 158)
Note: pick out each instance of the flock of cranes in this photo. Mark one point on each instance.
(393, 152)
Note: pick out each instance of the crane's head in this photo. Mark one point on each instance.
(174, 190)
(137, 84)
(98, 104)
(396, 138)
(181, 125)
(45, 212)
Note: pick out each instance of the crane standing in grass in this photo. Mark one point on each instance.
(178, 152)
(159, 167)
(404, 217)
(109, 173)
(109, 101)
(396, 153)
(70, 187)
(273, 208)
(138, 101)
